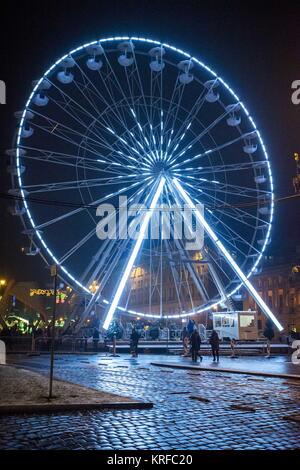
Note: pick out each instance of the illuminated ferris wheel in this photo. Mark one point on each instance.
(129, 116)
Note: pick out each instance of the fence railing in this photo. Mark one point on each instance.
(30, 344)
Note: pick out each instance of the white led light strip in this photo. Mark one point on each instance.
(133, 255)
(229, 258)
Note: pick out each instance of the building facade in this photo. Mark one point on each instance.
(279, 285)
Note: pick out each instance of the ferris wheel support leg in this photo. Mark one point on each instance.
(133, 255)
(260, 302)
(218, 282)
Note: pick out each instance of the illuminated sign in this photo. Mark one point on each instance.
(60, 296)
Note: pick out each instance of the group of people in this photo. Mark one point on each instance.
(192, 342)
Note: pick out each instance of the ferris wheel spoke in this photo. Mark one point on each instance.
(66, 132)
(130, 133)
(97, 135)
(210, 151)
(186, 124)
(232, 189)
(193, 113)
(75, 107)
(174, 105)
(89, 85)
(98, 140)
(133, 143)
(72, 103)
(250, 165)
(86, 238)
(237, 217)
(79, 184)
(239, 213)
(139, 81)
(191, 143)
(140, 130)
(94, 203)
(116, 83)
(59, 158)
(231, 236)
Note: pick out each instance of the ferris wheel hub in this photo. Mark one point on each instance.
(160, 168)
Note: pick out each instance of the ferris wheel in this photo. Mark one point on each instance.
(130, 116)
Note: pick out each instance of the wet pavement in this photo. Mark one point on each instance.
(281, 365)
(192, 409)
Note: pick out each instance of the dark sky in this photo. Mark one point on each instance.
(254, 47)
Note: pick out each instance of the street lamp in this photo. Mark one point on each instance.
(2, 282)
(94, 287)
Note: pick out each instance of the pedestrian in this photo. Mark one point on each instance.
(215, 343)
(134, 342)
(269, 334)
(190, 327)
(195, 341)
(232, 347)
(96, 337)
(185, 341)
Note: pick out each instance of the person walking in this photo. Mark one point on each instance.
(190, 327)
(195, 345)
(185, 341)
(232, 347)
(269, 334)
(134, 342)
(215, 343)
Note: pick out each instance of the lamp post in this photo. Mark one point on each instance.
(53, 274)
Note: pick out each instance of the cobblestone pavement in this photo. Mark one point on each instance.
(209, 420)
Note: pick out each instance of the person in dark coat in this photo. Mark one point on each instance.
(195, 345)
(215, 343)
(134, 342)
(190, 327)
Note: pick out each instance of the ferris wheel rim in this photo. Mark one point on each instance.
(49, 252)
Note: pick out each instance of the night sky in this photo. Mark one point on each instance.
(256, 51)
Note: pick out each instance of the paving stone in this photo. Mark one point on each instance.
(168, 425)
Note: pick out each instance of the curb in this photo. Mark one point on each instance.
(54, 408)
(232, 371)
